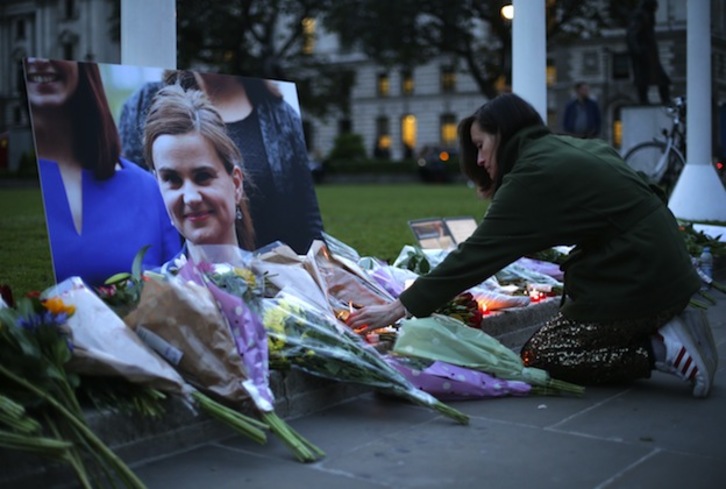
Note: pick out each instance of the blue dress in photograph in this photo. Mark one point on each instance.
(120, 216)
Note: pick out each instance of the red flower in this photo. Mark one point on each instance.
(33, 294)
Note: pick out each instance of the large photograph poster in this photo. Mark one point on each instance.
(222, 160)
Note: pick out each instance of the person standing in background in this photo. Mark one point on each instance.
(582, 114)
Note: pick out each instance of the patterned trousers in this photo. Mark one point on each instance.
(595, 353)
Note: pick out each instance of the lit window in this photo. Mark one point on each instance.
(617, 133)
(448, 79)
(308, 30)
(383, 138)
(448, 130)
(551, 73)
(407, 82)
(384, 86)
(408, 131)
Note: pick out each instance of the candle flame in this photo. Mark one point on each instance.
(482, 306)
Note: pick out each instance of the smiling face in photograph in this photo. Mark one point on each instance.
(200, 195)
(50, 83)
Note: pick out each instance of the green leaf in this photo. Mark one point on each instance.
(138, 261)
(118, 278)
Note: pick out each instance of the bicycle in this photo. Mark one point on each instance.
(662, 159)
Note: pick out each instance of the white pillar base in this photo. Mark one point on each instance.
(699, 195)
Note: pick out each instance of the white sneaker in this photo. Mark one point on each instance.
(690, 350)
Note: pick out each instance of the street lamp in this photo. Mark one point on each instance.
(507, 12)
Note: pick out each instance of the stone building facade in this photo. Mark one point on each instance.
(396, 112)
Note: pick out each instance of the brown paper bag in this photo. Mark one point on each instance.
(182, 322)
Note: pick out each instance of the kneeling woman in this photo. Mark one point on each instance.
(627, 281)
(199, 170)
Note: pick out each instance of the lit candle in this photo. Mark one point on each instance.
(483, 307)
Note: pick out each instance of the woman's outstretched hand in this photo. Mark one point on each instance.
(373, 317)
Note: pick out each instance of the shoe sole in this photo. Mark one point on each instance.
(699, 343)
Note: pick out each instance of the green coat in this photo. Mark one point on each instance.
(630, 260)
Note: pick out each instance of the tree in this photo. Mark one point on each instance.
(258, 38)
(410, 32)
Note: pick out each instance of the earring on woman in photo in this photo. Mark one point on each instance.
(238, 214)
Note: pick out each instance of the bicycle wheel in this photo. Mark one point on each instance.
(646, 157)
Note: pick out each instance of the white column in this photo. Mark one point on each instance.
(529, 53)
(699, 194)
(148, 33)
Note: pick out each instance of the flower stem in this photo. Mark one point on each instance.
(40, 445)
(249, 427)
(424, 399)
(101, 450)
(302, 448)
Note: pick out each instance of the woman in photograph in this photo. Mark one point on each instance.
(627, 281)
(100, 208)
(199, 170)
(268, 132)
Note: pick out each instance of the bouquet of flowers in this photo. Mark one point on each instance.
(453, 383)
(446, 339)
(35, 348)
(104, 346)
(313, 340)
(281, 267)
(181, 318)
(464, 308)
(343, 280)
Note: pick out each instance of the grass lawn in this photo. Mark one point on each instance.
(373, 219)
(370, 218)
(24, 253)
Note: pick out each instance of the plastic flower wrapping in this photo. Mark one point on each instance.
(344, 281)
(282, 267)
(313, 340)
(104, 346)
(206, 313)
(443, 338)
(508, 288)
(235, 289)
(449, 382)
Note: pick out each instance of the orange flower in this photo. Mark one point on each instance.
(56, 306)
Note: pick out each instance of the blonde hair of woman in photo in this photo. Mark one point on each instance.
(198, 168)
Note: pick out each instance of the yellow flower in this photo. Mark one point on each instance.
(274, 321)
(247, 275)
(56, 306)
